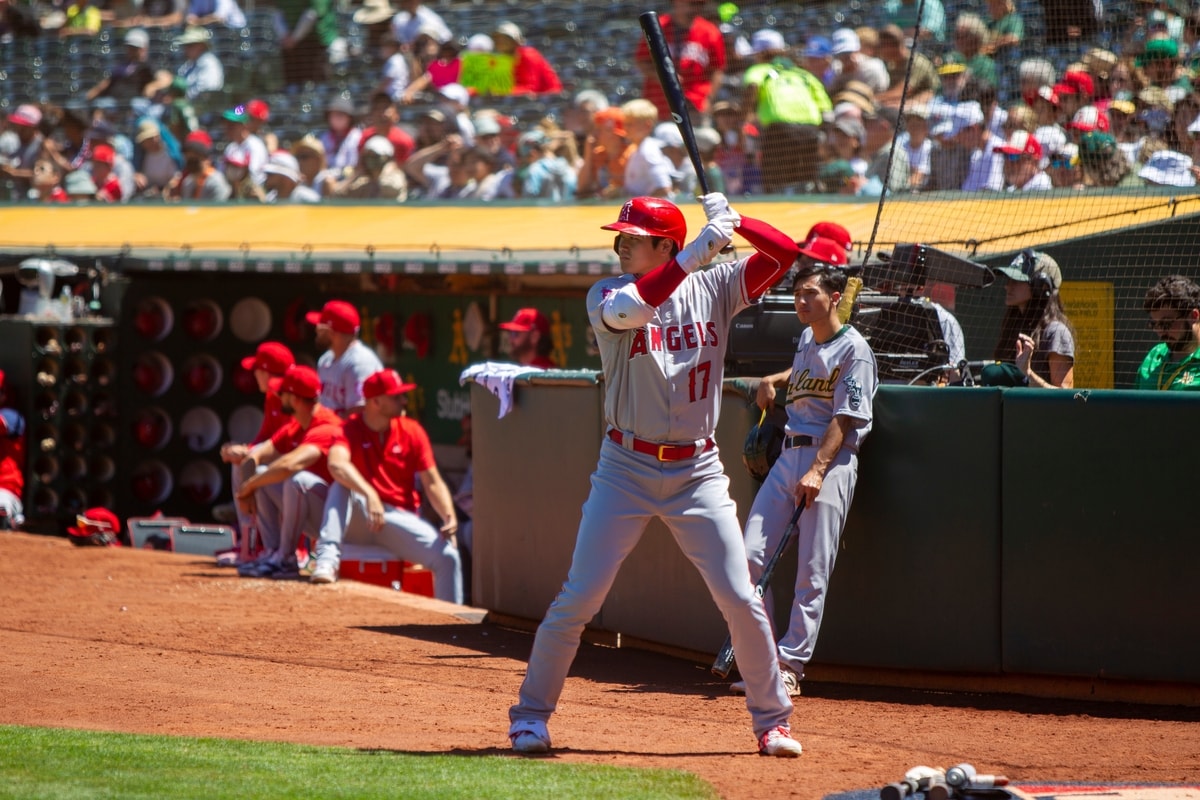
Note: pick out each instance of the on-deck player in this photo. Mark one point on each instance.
(661, 329)
(830, 391)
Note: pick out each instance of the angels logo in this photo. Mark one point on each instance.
(673, 338)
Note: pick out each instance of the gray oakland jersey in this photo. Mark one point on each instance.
(833, 378)
(341, 379)
(663, 379)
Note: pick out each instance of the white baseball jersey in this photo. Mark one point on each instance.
(684, 342)
(342, 378)
(836, 377)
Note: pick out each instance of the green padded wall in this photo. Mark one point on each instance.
(1100, 545)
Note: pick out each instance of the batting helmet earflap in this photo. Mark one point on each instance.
(651, 216)
(763, 445)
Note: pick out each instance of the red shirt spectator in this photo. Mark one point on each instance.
(532, 73)
(698, 50)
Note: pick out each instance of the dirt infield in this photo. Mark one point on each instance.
(150, 642)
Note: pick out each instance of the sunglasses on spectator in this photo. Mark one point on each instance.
(1062, 162)
(1013, 158)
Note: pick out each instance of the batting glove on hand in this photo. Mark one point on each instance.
(717, 205)
(713, 237)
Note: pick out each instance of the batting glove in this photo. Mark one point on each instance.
(716, 205)
(713, 237)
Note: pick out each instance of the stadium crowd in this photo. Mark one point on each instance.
(995, 97)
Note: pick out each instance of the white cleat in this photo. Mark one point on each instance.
(778, 742)
(529, 737)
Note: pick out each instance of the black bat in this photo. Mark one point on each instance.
(724, 662)
(671, 87)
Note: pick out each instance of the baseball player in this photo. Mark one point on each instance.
(375, 465)
(830, 390)
(270, 360)
(347, 362)
(288, 496)
(662, 332)
(529, 338)
(12, 462)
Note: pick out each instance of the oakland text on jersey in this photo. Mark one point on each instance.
(803, 384)
(673, 338)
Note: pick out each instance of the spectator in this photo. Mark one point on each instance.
(384, 120)
(605, 155)
(1023, 164)
(104, 175)
(579, 116)
(707, 142)
(394, 77)
(309, 41)
(347, 362)
(648, 173)
(970, 40)
(201, 180)
(374, 17)
(439, 170)
(258, 114)
(787, 105)
(79, 186)
(454, 99)
(840, 177)
(216, 12)
(12, 461)
(415, 16)
(698, 50)
(984, 93)
(917, 145)
(18, 21)
(1033, 75)
(1063, 167)
(201, 70)
(1173, 305)
(1168, 168)
(1007, 29)
(443, 70)
(1035, 334)
(817, 58)
(243, 146)
(930, 26)
(847, 137)
(1124, 129)
(375, 177)
(986, 168)
(1071, 23)
(532, 73)
(1159, 63)
(270, 360)
(950, 159)
(46, 182)
(375, 499)
(236, 169)
(1182, 116)
(736, 154)
(282, 180)
(83, 19)
(24, 122)
(1099, 64)
(856, 65)
(542, 174)
(341, 137)
(288, 496)
(683, 174)
(157, 14)
(1102, 163)
(310, 156)
(887, 168)
(923, 82)
(156, 164)
(173, 109)
(488, 137)
(132, 75)
(1019, 117)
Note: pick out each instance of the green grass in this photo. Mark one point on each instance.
(37, 763)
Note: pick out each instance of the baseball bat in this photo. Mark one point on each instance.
(845, 306)
(669, 80)
(724, 661)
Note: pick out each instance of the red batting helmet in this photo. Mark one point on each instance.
(651, 216)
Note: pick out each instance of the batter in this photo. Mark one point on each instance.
(662, 332)
(830, 391)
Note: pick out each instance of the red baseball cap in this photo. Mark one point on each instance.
(198, 140)
(303, 382)
(825, 250)
(829, 230)
(96, 520)
(1021, 143)
(274, 357)
(1082, 82)
(526, 320)
(385, 382)
(104, 153)
(337, 314)
(258, 109)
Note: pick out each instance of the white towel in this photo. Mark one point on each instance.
(497, 377)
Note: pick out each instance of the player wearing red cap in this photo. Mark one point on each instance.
(376, 465)
(287, 497)
(662, 330)
(347, 363)
(270, 360)
(12, 462)
(529, 338)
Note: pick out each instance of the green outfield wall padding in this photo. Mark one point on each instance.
(1100, 545)
(917, 579)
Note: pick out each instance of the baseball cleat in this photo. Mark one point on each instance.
(324, 573)
(778, 742)
(738, 687)
(529, 737)
(791, 680)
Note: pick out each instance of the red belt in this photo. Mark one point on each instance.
(663, 452)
